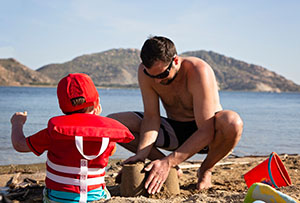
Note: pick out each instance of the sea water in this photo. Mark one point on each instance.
(271, 120)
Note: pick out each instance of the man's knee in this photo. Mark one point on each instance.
(230, 124)
(129, 119)
(122, 117)
(115, 116)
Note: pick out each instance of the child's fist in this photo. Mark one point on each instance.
(19, 118)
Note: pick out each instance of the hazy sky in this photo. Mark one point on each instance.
(261, 32)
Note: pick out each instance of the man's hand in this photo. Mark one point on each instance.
(159, 171)
(19, 118)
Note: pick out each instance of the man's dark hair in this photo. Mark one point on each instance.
(157, 48)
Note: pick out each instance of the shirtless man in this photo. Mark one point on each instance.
(196, 122)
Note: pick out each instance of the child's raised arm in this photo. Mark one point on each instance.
(17, 136)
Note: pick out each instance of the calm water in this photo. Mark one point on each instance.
(271, 120)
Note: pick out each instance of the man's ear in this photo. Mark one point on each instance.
(98, 109)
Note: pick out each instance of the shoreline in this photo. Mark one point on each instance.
(55, 86)
(227, 180)
(231, 156)
(137, 87)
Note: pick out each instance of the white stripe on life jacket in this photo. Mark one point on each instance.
(74, 181)
(74, 170)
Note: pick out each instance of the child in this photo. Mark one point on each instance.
(78, 143)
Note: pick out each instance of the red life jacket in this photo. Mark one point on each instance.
(80, 147)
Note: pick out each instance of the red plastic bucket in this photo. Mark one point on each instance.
(271, 171)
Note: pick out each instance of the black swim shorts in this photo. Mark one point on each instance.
(172, 134)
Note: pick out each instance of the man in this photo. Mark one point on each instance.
(196, 122)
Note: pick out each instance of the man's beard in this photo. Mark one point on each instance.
(168, 81)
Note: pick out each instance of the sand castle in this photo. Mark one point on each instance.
(134, 177)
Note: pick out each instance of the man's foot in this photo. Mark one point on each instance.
(204, 180)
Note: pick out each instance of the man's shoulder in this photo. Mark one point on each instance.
(195, 66)
(198, 74)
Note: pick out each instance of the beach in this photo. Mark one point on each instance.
(27, 181)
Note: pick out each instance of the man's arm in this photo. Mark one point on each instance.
(17, 136)
(151, 121)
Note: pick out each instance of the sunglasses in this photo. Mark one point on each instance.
(163, 74)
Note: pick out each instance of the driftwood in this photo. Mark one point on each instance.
(26, 190)
(186, 166)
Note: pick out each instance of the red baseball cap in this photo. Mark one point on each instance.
(76, 85)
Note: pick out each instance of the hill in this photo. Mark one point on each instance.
(13, 73)
(118, 68)
(236, 75)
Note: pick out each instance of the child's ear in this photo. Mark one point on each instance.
(176, 60)
(98, 109)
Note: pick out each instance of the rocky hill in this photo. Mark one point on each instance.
(118, 67)
(237, 75)
(13, 73)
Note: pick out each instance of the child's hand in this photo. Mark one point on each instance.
(19, 118)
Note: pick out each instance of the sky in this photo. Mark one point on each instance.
(260, 32)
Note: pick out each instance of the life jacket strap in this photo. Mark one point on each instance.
(83, 180)
(79, 146)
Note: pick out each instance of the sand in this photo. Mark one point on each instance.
(228, 182)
